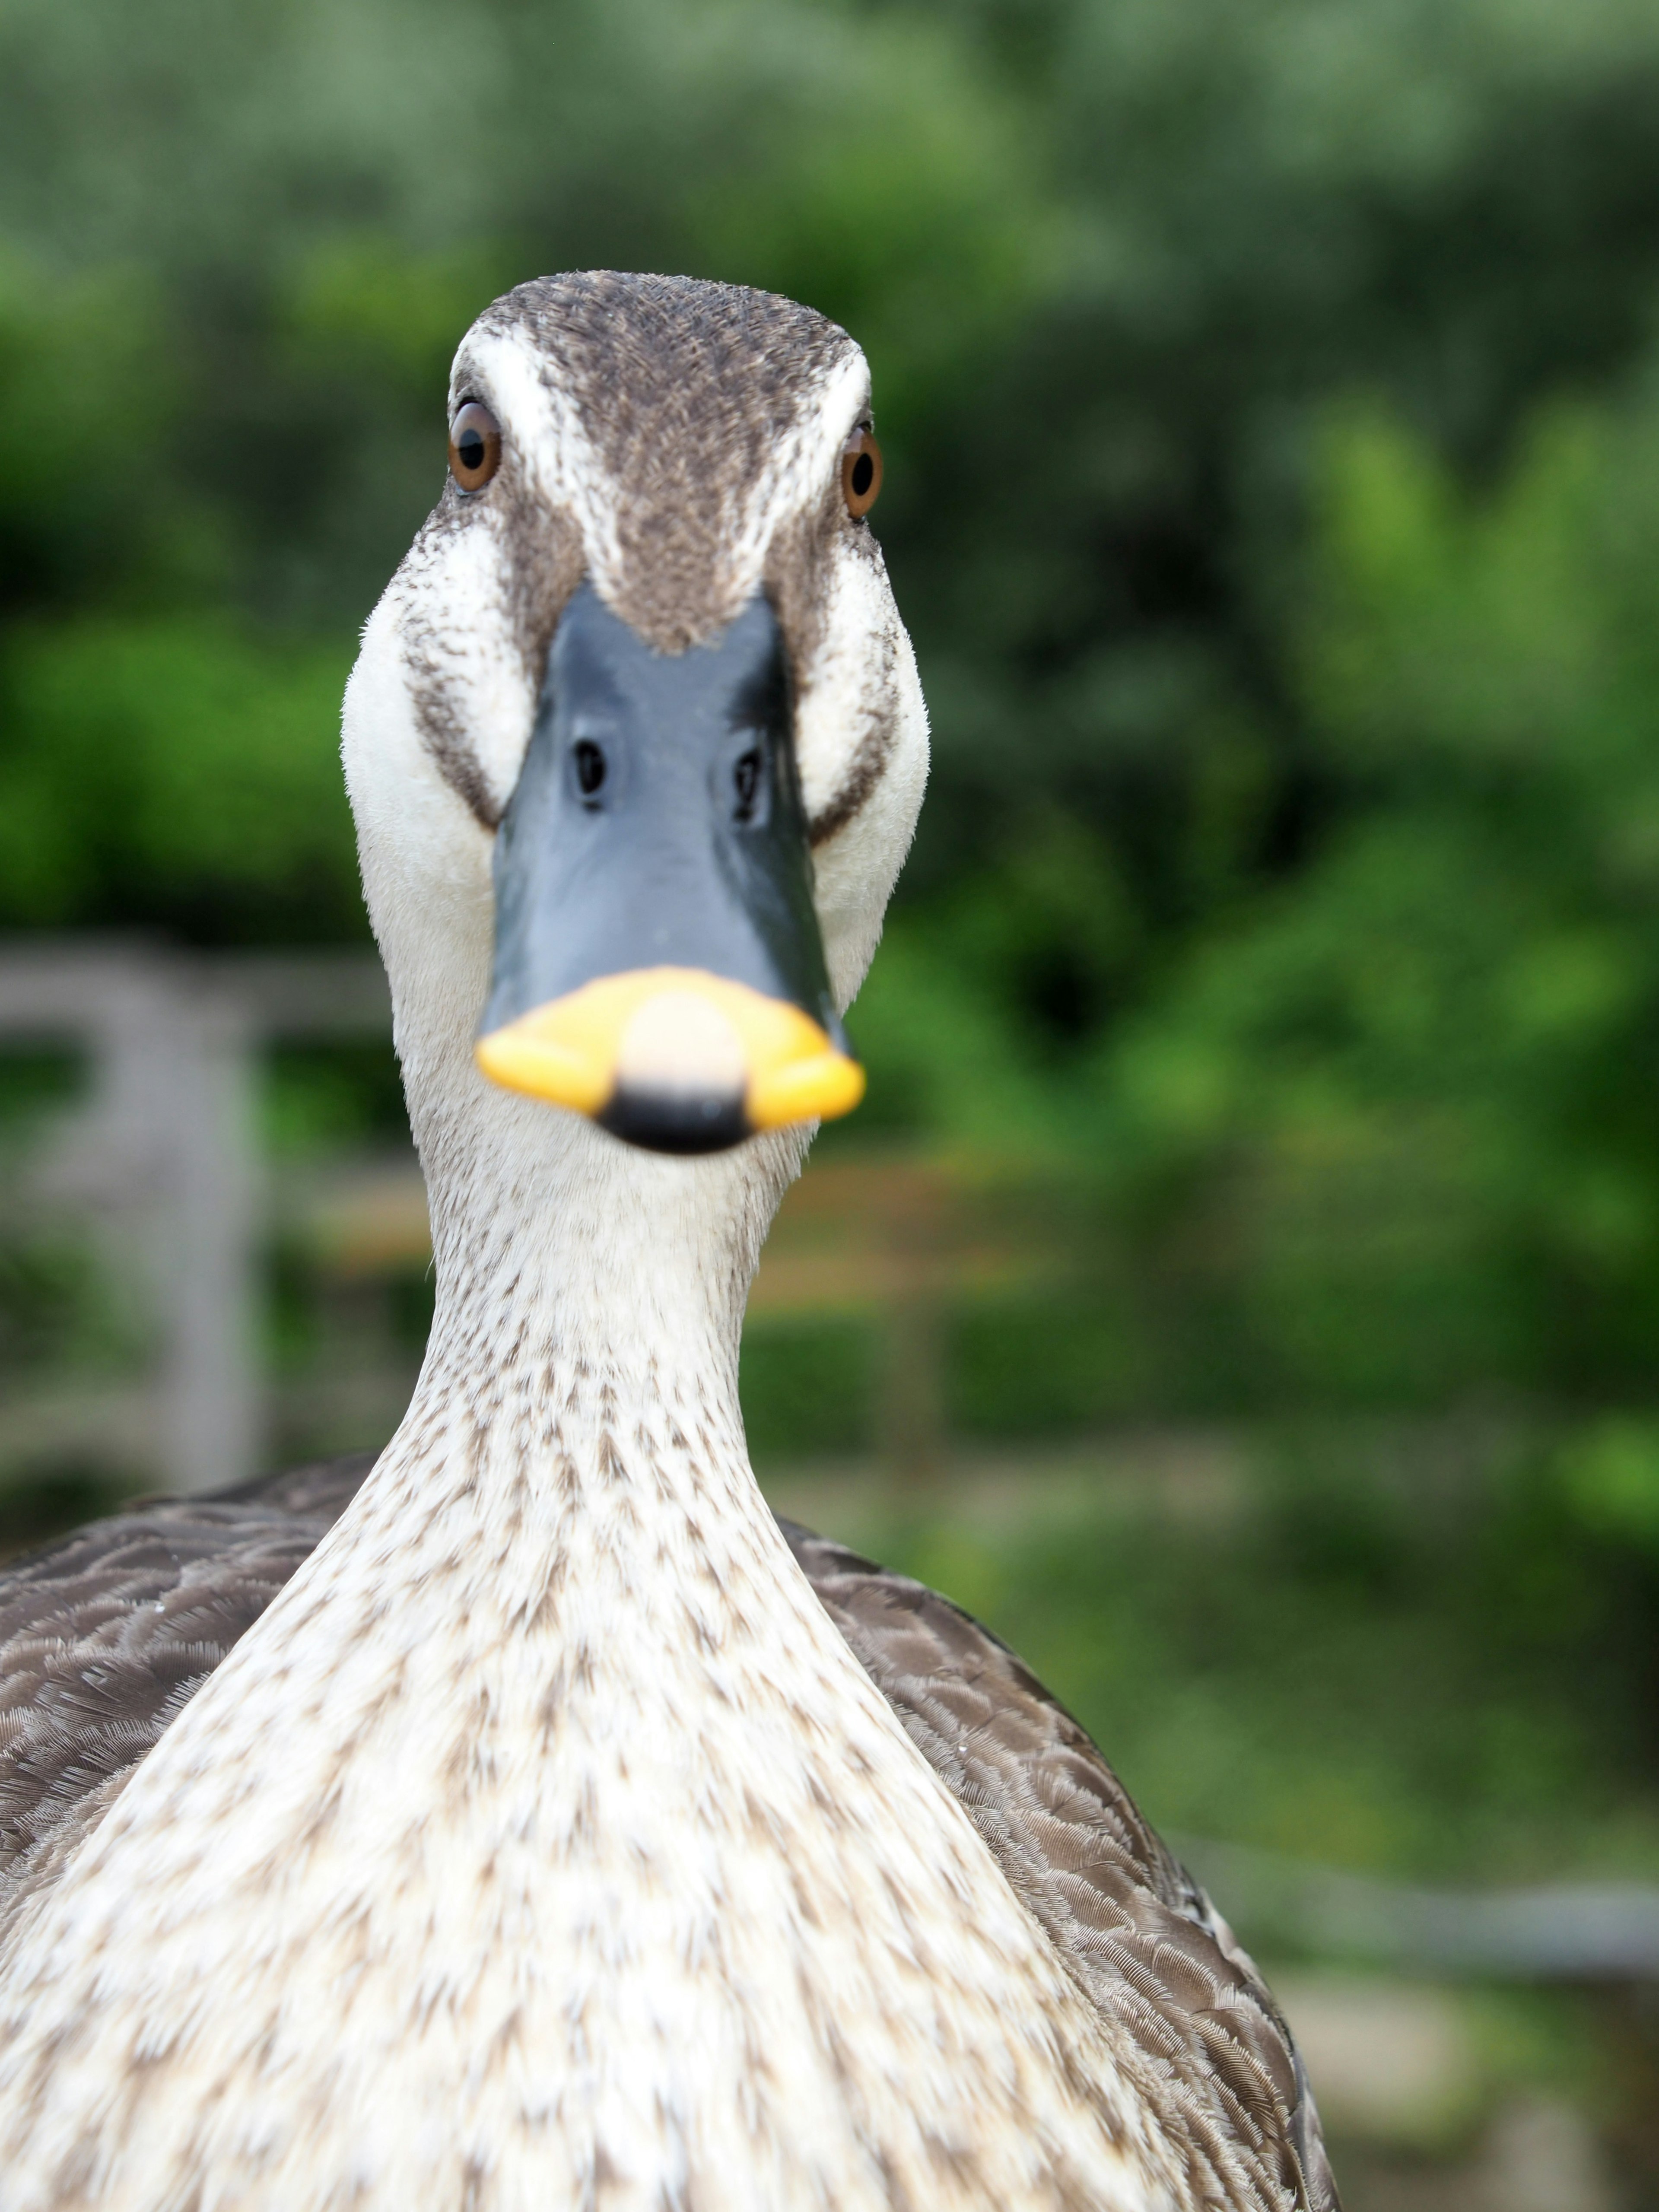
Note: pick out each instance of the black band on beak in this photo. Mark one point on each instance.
(658, 960)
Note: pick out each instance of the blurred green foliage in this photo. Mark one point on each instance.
(1438, 1041)
(1271, 401)
(173, 770)
(1341, 1651)
(1274, 495)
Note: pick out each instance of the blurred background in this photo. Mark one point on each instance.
(1242, 1285)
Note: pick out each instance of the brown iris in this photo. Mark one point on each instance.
(861, 473)
(475, 446)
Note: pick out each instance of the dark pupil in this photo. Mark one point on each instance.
(863, 469)
(471, 448)
(746, 776)
(590, 768)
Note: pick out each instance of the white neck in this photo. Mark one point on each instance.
(544, 1844)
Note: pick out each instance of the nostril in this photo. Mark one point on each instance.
(746, 778)
(590, 766)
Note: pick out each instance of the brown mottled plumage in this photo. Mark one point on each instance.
(104, 1634)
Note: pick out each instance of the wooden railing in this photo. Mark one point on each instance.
(163, 1155)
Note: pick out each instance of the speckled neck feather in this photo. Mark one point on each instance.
(544, 1844)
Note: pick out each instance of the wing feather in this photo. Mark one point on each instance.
(107, 1635)
(1138, 1936)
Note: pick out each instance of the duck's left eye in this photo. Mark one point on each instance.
(475, 447)
(861, 473)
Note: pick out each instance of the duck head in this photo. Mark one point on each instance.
(635, 743)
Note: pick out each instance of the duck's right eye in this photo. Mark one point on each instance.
(475, 447)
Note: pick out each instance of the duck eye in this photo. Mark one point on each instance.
(475, 447)
(861, 473)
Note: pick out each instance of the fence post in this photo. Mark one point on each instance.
(165, 1157)
(212, 1417)
(912, 1405)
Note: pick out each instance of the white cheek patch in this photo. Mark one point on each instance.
(425, 856)
(466, 674)
(398, 791)
(860, 740)
(845, 709)
(854, 871)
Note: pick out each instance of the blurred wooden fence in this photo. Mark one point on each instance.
(1592, 1932)
(163, 1155)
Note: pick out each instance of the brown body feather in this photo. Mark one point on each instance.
(105, 1636)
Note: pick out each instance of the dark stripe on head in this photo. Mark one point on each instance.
(685, 390)
(443, 729)
(869, 766)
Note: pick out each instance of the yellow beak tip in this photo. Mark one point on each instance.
(820, 1089)
(542, 1068)
(580, 1051)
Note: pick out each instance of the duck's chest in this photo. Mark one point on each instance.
(598, 1901)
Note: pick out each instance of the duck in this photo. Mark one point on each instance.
(525, 1815)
